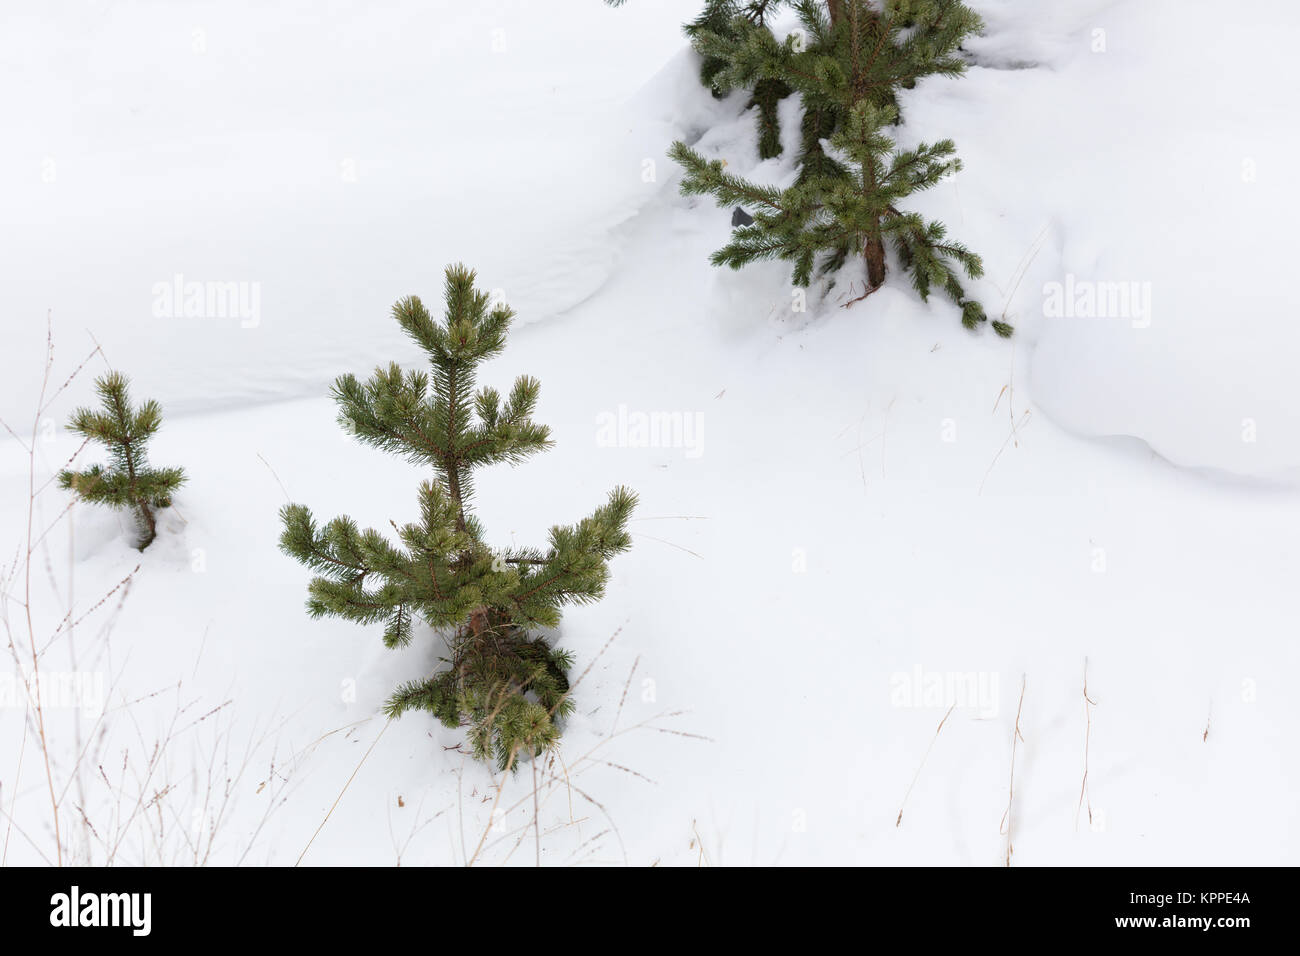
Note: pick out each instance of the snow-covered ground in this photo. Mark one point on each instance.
(866, 508)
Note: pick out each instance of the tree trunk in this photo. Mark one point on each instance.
(478, 621)
(875, 256)
(836, 10)
(148, 526)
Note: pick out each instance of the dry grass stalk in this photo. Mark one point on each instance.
(1005, 827)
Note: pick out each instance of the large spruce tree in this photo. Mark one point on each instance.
(507, 683)
(844, 52)
(892, 44)
(847, 62)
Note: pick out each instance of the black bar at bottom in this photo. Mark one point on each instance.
(336, 906)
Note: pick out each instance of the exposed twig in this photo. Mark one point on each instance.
(1084, 797)
(921, 766)
(330, 813)
(1005, 826)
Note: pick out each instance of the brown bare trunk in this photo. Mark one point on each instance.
(836, 10)
(148, 525)
(875, 256)
(478, 621)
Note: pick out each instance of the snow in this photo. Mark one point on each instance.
(225, 142)
(875, 503)
(1161, 161)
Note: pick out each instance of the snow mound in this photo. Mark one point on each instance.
(301, 174)
(1157, 303)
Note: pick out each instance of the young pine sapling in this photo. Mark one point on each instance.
(507, 684)
(128, 482)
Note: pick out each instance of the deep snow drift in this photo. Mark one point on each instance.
(865, 512)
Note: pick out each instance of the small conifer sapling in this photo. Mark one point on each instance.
(503, 681)
(128, 482)
(818, 224)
